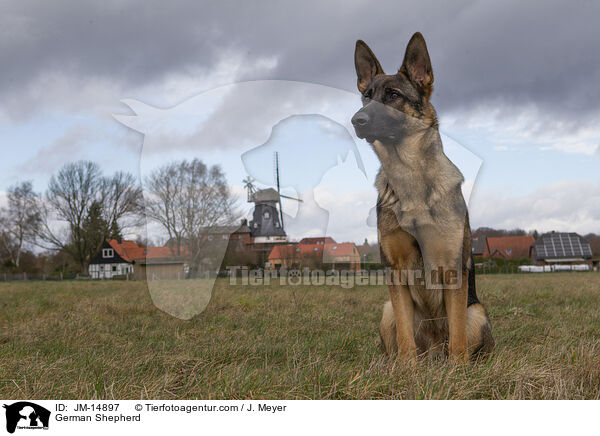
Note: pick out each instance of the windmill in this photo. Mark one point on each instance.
(249, 185)
(267, 222)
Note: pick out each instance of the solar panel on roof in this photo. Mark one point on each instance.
(557, 245)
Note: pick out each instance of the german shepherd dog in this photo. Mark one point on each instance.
(422, 219)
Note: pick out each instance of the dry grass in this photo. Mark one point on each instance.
(92, 340)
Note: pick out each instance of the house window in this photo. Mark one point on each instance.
(508, 251)
(316, 249)
(224, 236)
(108, 252)
(114, 268)
(209, 237)
(267, 215)
(335, 247)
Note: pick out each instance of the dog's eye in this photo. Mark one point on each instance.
(393, 95)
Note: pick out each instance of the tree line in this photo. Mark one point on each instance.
(62, 229)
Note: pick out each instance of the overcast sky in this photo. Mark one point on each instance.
(515, 82)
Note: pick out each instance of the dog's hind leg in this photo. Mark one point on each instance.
(425, 342)
(479, 331)
(387, 330)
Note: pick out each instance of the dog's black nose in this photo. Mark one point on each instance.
(360, 119)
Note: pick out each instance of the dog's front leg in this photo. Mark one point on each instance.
(444, 270)
(455, 301)
(404, 316)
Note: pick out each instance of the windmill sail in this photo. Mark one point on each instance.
(278, 189)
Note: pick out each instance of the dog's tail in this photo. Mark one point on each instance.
(387, 330)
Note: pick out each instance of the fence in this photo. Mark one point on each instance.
(516, 269)
(6, 277)
(495, 269)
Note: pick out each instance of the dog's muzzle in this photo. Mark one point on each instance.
(360, 121)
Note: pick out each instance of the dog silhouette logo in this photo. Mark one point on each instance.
(26, 415)
(244, 125)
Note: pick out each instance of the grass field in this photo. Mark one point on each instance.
(105, 340)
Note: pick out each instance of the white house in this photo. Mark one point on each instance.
(112, 260)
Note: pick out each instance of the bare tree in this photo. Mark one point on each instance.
(164, 189)
(189, 200)
(90, 207)
(122, 202)
(19, 221)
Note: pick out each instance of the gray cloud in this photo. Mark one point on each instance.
(566, 205)
(48, 159)
(80, 141)
(502, 54)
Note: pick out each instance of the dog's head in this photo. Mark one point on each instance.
(394, 106)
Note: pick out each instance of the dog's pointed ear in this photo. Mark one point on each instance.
(367, 65)
(417, 65)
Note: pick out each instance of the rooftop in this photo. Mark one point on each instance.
(562, 245)
(130, 251)
(509, 246)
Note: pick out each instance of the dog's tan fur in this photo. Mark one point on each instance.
(422, 218)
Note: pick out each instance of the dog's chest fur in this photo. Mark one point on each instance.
(427, 188)
(429, 191)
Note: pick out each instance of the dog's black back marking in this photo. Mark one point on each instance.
(472, 296)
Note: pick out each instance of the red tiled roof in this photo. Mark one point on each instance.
(332, 250)
(320, 240)
(288, 251)
(130, 251)
(510, 247)
(343, 249)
